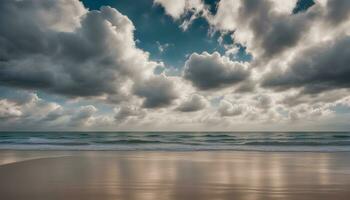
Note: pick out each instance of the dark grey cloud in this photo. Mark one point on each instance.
(29, 25)
(157, 91)
(285, 32)
(338, 11)
(193, 104)
(211, 71)
(60, 47)
(124, 112)
(273, 31)
(316, 69)
(55, 115)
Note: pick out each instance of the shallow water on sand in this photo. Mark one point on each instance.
(162, 175)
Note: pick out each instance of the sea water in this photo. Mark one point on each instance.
(177, 141)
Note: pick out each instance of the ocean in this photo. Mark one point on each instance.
(178, 141)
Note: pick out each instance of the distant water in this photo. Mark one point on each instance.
(177, 141)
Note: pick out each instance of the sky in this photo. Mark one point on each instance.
(166, 65)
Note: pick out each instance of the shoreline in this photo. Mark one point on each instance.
(174, 175)
(178, 151)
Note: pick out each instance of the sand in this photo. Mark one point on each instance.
(46, 175)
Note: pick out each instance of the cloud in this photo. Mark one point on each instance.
(173, 9)
(26, 110)
(307, 112)
(263, 101)
(212, 71)
(337, 11)
(158, 91)
(227, 109)
(60, 47)
(88, 62)
(9, 110)
(183, 10)
(178, 8)
(244, 107)
(292, 99)
(125, 112)
(193, 104)
(83, 117)
(319, 68)
(162, 47)
(266, 28)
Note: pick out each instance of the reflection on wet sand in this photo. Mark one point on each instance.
(178, 175)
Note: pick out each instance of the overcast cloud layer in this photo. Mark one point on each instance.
(64, 66)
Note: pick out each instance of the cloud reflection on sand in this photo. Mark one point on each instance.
(182, 175)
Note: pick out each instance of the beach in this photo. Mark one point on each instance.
(174, 100)
(142, 175)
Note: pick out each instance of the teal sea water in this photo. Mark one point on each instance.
(177, 141)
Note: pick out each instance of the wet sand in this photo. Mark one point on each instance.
(99, 175)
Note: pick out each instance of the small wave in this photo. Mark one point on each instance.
(7, 142)
(290, 143)
(341, 136)
(55, 143)
(132, 141)
(185, 136)
(221, 140)
(35, 140)
(153, 135)
(218, 135)
(45, 141)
